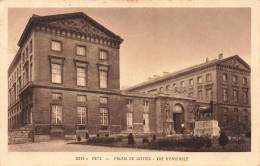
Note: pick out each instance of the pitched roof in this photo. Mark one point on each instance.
(187, 70)
(48, 20)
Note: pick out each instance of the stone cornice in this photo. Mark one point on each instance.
(90, 38)
(211, 65)
(112, 39)
(163, 79)
(220, 66)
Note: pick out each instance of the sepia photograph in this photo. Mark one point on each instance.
(172, 79)
(129, 83)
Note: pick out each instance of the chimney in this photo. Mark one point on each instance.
(165, 73)
(156, 76)
(207, 59)
(220, 56)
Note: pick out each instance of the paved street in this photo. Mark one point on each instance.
(62, 146)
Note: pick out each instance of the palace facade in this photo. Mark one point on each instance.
(226, 81)
(64, 81)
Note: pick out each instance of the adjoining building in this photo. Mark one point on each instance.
(64, 81)
(226, 81)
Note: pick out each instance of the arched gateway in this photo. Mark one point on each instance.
(178, 117)
(174, 118)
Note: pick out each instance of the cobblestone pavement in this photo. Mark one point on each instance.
(62, 146)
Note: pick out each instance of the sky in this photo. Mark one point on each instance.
(158, 40)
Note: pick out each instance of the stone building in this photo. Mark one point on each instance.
(226, 81)
(64, 81)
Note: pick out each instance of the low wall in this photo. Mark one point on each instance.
(19, 136)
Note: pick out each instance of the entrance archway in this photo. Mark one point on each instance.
(178, 117)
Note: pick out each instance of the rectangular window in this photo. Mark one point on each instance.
(129, 102)
(20, 68)
(235, 79)
(244, 81)
(31, 71)
(236, 110)
(27, 74)
(26, 52)
(236, 118)
(191, 82)
(145, 119)
(129, 119)
(103, 100)
(81, 98)
(208, 77)
(81, 115)
(209, 94)
(146, 103)
(245, 110)
(199, 80)
(183, 84)
(245, 96)
(103, 116)
(56, 73)
(225, 94)
(224, 77)
(56, 96)
(81, 50)
(103, 79)
(225, 120)
(225, 110)
(55, 45)
(235, 96)
(56, 117)
(81, 76)
(246, 119)
(23, 57)
(31, 46)
(103, 54)
(200, 95)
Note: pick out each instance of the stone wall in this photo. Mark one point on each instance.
(19, 136)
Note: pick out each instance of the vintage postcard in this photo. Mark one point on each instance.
(130, 82)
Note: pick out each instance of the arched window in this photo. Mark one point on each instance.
(167, 88)
(161, 89)
(177, 109)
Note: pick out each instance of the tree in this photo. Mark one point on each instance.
(98, 135)
(208, 143)
(79, 139)
(237, 128)
(223, 139)
(131, 140)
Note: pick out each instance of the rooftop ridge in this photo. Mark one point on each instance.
(211, 62)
